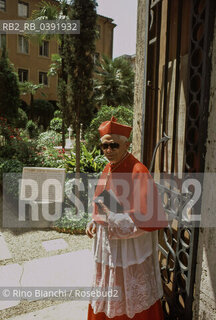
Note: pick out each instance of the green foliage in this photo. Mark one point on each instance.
(49, 11)
(48, 156)
(123, 114)
(114, 85)
(12, 170)
(51, 158)
(9, 93)
(90, 161)
(72, 223)
(79, 63)
(58, 114)
(16, 146)
(55, 67)
(32, 129)
(46, 11)
(56, 125)
(22, 119)
(21, 150)
(7, 130)
(42, 112)
(1, 173)
(12, 165)
(24, 106)
(28, 87)
(79, 53)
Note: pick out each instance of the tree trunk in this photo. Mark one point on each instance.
(63, 132)
(77, 146)
(77, 175)
(31, 99)
(63, 93)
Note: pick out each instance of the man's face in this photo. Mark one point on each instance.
(116, 154)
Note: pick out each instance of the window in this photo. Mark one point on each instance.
(43, 78)
(23, 9)
(2, 40)
(3, 5)
(23, 44)
(44, 49)
(23, 75)
(96, 57)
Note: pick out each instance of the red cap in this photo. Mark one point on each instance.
(113, 127)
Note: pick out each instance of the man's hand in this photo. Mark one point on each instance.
(91, 229)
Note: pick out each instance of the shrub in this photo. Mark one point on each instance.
(48, 139)
(42, 112)
(47, 155)
(12, 165)
(90, 161)
(22, 119)
(23, 151)
(122, 114)
(32, 129)
(56, 125)
(1, 172)
(51, 158)
(24, 106)
(9, 93)
(58, 114)
(17, 145)
(72, 223)
(13, 168)
(7, 130)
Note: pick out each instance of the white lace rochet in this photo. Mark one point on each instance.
(126, 258)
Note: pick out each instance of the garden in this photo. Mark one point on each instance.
(34, 134)
(28, 146)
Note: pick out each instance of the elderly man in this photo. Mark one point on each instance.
(125, 243)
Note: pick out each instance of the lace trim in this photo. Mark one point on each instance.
(138, 285)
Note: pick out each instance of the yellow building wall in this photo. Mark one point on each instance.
(35, 63)
(104, 44)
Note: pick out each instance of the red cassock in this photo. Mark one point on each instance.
(155, 312)
(129, 266)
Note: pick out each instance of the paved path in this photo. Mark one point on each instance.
(73, 269)
(75, 310)
(4, 251)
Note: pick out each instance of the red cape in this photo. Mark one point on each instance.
(135, 189)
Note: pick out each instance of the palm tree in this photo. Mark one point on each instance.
(114, 84)
(48, 11)
(28, 87)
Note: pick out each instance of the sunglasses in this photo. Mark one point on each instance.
(112, 145)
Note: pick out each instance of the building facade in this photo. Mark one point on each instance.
(31, 59)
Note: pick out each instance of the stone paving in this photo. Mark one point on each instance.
(4, 251)
(75, 310)
(72, 269)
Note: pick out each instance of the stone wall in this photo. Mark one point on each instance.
(205, 283)
(139, 79)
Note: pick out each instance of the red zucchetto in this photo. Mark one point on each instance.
(113, 127)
